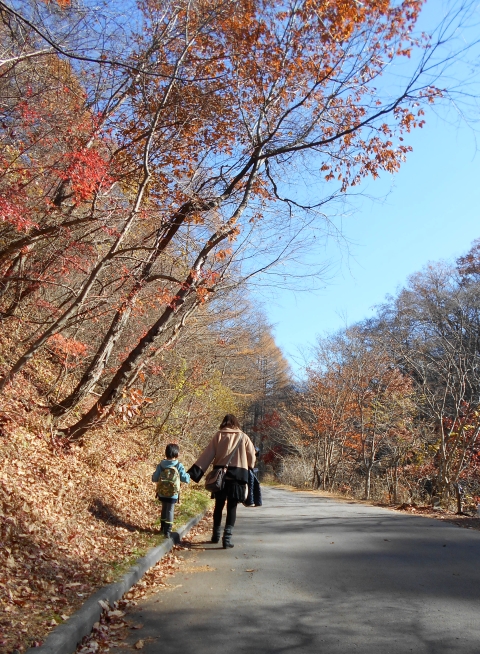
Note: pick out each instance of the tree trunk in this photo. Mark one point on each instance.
(315, 476)
(102, 407)
(128, 368)
(99, 362)
(18, 267)
(368, 482)
(121, 318)
(97, 366)
(395, 483)
(459, 498)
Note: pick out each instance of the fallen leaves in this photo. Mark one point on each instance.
(465, 521)
(10, 562)
(116, 614)
(70, 519)
(114, 628)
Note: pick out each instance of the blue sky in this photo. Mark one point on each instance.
(428, 211)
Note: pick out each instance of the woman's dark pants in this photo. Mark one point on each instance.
(220, 499)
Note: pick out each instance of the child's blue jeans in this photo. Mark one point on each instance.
(168, 510)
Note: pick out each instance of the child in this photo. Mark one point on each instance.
(168, 475)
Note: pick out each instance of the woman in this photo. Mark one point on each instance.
(219, 450)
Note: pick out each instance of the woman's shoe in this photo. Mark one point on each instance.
(227, 537)
(216, 534)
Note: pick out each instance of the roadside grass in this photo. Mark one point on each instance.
(192, 502)
(119, 568)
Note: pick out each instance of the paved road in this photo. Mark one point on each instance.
(329, 577)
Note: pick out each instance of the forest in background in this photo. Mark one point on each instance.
(390, 407)
(150, 156)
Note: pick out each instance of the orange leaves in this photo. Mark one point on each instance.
(195, 218)
(233, 234)
(209, 277)
(67, 346)
(132, 402)
(221, 255)
(164, 296)
(63, 4)
(202, 294)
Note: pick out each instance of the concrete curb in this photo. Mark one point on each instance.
(65, 638)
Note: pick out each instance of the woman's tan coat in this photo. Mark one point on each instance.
(222, 445)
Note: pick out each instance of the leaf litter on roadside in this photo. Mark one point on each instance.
(114, 627)
(72, 518)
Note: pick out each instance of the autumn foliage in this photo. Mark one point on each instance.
(147, 162)
(133, 181)
(389, 408)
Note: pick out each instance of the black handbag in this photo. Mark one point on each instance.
(215, 480)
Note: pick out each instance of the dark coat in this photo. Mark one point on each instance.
(254, 497)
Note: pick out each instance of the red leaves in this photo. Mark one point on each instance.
(87, 172)
(16, 215)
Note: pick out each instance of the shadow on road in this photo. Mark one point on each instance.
(293, 628)
(324, 577)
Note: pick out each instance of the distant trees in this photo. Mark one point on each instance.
(433, 330)
(213, 369)
(355, 412)
(394, 403)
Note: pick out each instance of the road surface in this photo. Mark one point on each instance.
(316, 575)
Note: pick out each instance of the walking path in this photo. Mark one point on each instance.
(316, 575)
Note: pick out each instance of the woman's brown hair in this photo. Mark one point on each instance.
(230, 422)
